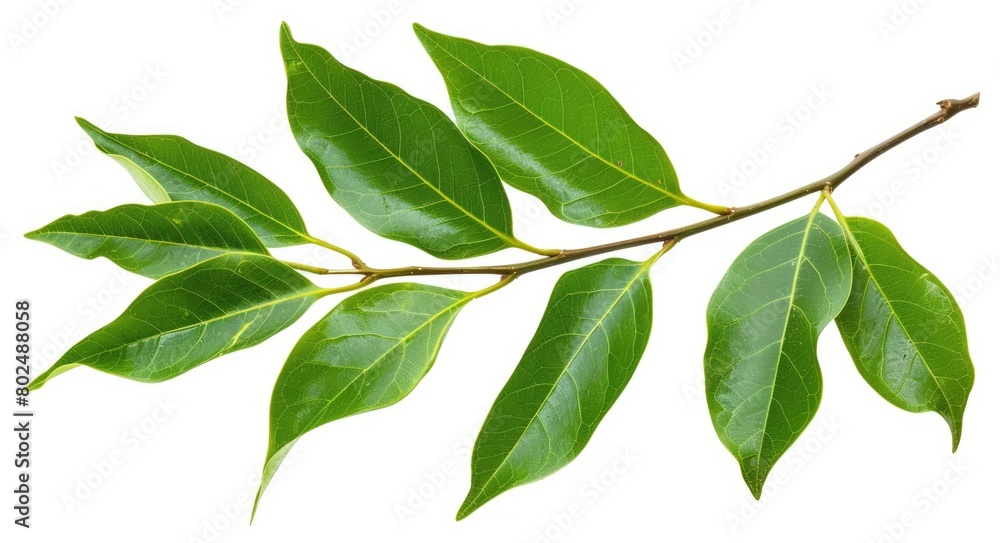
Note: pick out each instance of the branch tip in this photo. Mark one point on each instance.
(957, 105)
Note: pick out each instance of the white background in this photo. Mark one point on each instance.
(211, 70)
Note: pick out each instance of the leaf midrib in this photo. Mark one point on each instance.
(788, 315)
(151, 241)
(642, 270)
(678, 196)
(509, 239)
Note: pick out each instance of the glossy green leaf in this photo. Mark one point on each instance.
(223, 304)
(172, 168)
(903, 328)
(584, 352)
(152, 240)
(762, 375)
(397, 164)
(366, 354)
(555, 132)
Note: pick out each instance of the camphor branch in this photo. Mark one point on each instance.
(948, 109)
(218, 289)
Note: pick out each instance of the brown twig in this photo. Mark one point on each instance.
(948, 109)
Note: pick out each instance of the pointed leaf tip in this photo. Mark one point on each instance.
(755, 484)
(81, 121)
(464, 511)
(88, 127)
(423, 33)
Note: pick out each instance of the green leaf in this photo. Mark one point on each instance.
(903, 328)
(221, 305)
(152, 240)
(397, 164)
(762, 375)
(172, 168)
(555, 132)
(366, 354)
(584, 352)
